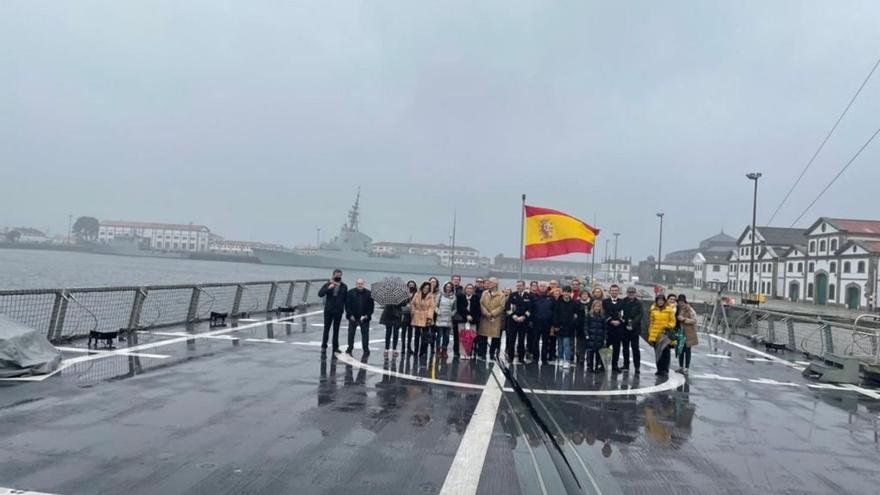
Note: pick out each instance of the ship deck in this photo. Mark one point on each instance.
(256, 409)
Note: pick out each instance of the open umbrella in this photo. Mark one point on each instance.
(390, 291)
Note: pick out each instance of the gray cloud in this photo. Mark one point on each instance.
(261, 119)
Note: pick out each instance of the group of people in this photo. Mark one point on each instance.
(542, 322)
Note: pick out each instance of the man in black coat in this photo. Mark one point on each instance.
(541, 346)
(632, 317)
(333, 292)
(519, 309)
(612, 306)
(359, 308)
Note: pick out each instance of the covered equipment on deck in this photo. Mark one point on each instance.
(24, 351)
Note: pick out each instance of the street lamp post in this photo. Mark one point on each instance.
(660, 248)
(754, 176)
(69, 228)
(616, 236)
(608, 273)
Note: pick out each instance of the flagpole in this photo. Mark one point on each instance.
(522, 235)
(593, 257)
(452, 254)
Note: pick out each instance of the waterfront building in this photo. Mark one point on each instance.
(837, 264)
(26, 234)
(671, 273)
(681, 267)
(466, 257)
(771, 245)
(710, 270)
(157, 236)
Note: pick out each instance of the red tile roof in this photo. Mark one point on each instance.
(870, 227)
(151, 225)
(872, 246)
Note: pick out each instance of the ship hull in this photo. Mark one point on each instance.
(365, 263)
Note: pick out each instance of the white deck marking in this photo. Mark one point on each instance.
(826, 386)
(674, 381)
(193, 335)
(152, 345)
(768, 381)
(755, 351)
(249, 319)
(717, 356)
(759, 360)
(13, 491)
(712, 376)
(463, 477)
(112, 351)
(345, 358)
(864, 391)
(266, 341)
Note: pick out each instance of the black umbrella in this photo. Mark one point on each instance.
(390, 291)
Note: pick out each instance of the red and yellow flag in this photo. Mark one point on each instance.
(553, 233)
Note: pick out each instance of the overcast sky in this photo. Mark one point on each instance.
(260, 119)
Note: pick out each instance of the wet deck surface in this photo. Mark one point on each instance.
(266, 414)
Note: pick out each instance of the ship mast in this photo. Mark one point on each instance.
(353, 213)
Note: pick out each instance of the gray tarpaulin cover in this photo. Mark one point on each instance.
(24, 351)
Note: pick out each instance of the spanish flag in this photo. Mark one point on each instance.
(553, 233)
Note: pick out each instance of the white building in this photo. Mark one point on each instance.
(710, 270)
(158, 236)
(27, 234)
(771, 245)
(836, 264)
(615, 270)
(464, 256)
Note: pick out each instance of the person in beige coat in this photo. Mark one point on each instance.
(492, 304)
(687, 318)
(422, 308)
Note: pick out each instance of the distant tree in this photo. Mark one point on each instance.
(13, 236)
(86, 228)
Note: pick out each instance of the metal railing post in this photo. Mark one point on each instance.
(771, 330)
(134, 319)
(271, 300)
(829, 338)
(58, 329)
(306, 292)
(53, 319)
(791, 342)
(236, 304)
(289, 300)
(193, 312)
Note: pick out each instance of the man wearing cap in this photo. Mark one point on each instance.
(632, 320)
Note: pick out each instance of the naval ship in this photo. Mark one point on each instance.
(350, 250)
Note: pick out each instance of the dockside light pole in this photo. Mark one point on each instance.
(614, 261)
(660, 250)
(753, 176)
(452, 253)
(522, 235)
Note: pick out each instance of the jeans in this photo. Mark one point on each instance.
(684, 359)
(564, 344)
(391, 333)
(442, 339)
(334, 320)
(365, 334)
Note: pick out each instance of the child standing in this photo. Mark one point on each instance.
(594, 331)
(567, 315)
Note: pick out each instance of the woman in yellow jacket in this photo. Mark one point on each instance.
(662, 318)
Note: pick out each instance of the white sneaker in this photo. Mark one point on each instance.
(566, 365)
(552, 362)
(387, 352)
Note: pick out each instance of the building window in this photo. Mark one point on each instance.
(810, 289)
(861, 267)
(790, 267)
(716, 268)
(847, 267)
(833, 267)
(800, 267)
(823, 227)
(812, 246)
(834, 244)
(812, 266)
(822, 246)
(831, 292)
